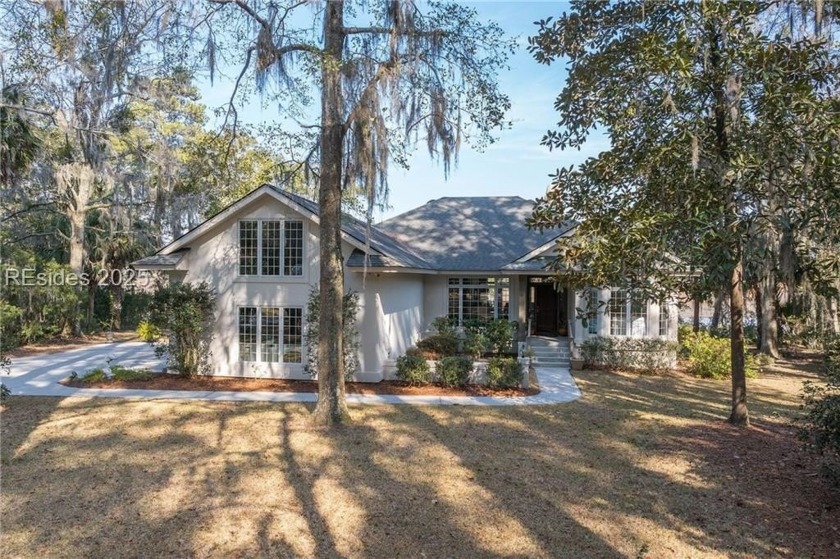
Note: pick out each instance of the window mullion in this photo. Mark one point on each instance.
(460, 302)
(281, 331)
(259, 247)
(629, 313)
(282, 249)
(258, 356)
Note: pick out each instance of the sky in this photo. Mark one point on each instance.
(516, 165)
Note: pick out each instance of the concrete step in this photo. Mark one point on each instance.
(559, 363)
(545, 342)
(547, 358)
(549, 350)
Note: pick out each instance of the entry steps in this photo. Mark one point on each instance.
(550, 352)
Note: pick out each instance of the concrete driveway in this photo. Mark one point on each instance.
(38, 375)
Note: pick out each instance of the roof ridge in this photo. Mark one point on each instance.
(345, 216)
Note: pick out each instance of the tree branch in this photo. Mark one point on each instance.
(376, 30)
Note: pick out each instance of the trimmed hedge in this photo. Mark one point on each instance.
(647, 354)
(413, 370)
(454, 370)
(504, 372)
(441, 345)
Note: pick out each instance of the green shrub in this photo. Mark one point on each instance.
(488, 336)
(413, 370)
(5, 367)
(352, 344)
(643, 354)
(504, 372)
(475, 342)
(821, 430)
(117, 372)
(710, 357)
(122, 373)
(94, 375)
(425, 354)
(10, 327)
(185, 311)
(500, 335)
(444, 325)
(454, 370)
(441, 345)
(134, 308)
(147, 331)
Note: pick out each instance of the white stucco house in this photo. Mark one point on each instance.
(462, 257)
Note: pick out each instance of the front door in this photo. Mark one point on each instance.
(545, 309)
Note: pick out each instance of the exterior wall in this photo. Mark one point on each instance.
(391, 306)
(391, 319)
(396, 309)
(214, 258)
(436, 300)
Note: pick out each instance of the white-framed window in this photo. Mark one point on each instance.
(663, 318)
(592, 311)
(247, 333)
(271, 334)
(271, 247)
(628, 313)
(478, 298)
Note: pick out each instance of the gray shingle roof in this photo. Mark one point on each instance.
(160, 260)
(469, 233)
(466, 234)
(396, 254)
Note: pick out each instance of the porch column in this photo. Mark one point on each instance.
(578, 330)
(673, 320)
(653, 319)
(603, 312)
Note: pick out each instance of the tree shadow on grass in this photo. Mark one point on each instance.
(639, 465)
(77, 490)
(646, 484)
(413, 496)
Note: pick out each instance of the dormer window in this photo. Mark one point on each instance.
(271, 247)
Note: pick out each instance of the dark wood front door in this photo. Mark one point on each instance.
(546, 301)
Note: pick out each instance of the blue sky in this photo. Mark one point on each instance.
(516, 164)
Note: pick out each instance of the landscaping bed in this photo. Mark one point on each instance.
(163, 381)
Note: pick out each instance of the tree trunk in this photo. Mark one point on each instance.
(117, 298)
(739, 415)
(758, 316)
(75, 181)
(696, 324)
(718, 308)
(91, 306)
(332, 406)
(769, 325)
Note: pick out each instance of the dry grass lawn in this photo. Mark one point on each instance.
(640, 467)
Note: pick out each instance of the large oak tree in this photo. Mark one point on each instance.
(387, 74)
(720, 125)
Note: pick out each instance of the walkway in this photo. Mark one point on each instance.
(38, 375)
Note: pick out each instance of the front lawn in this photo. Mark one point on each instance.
(641, 466)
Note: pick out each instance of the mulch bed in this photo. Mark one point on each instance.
(165, 381)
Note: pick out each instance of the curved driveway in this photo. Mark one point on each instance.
(38, 375)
